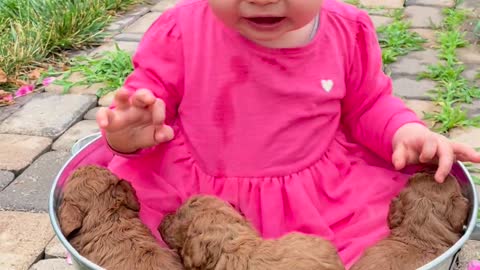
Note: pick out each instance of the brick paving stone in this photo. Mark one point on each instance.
(23, 238)
(79, 89)
(418, 18)
(123, 22)
(469, 55)
(436, 3)
(127, 19)
(380, 20)
(473, 109)
(427, 34)
(55, 249)
(382, 3)
(471, 73)
(164, 5)
(52, 264)
(92, 114)
(31, 189)
(136, 37)
(72, 135)
(142, 24)
(466, 135)
(414, 63)
(5, 178)
(420, 107)
(378, 11)
(128, 46)
(6, 111)
(48, 115)
(138, 11)
(469, 4)
(18, 151)
(412, 89)
(106, 100)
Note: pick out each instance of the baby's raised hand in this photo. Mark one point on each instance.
(415, 143)
(136, 122)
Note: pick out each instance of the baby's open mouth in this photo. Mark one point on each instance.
(266, 20)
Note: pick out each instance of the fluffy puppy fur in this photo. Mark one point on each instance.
(208, 233)
(426, 219)
(99, 216)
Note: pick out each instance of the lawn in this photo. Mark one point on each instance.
(36, 32)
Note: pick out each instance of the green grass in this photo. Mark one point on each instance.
(353, 2)
(110, 68)
(397, 40)
(476, 30)
(33, 30)
(452, 89)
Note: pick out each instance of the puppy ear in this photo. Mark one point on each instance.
(457, 212)
(396, 213)
(124, 190)
(70, 217)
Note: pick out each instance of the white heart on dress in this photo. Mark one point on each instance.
(327, 85)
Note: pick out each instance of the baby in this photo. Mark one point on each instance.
(279, 107)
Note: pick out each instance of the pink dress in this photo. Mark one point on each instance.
(298, 139)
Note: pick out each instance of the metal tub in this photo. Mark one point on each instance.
(91, 150)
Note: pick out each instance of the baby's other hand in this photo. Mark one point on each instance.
(136, 122)
(414, 143)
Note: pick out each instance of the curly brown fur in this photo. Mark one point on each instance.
(99, 216)
(210, 234)
(426, 219)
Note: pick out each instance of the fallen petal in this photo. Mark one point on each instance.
(69, 259)
(474, 265)
(48, 81)
(24, 90)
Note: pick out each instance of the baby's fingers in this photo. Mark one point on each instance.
(429, 150)
(163, 134)
(465, 153)
(143, 98)
(445, 161)
(121, 100)
(104, 117)
(158, 112)
(400, 157)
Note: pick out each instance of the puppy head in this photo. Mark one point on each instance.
(195, 215)
(93, 189)
(426, 204)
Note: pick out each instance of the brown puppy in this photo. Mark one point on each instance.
(99, 216)
(425, 220)
(210, 234)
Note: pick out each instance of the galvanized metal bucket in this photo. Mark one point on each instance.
(91, 150)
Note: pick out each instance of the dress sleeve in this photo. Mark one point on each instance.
(158, 66)
(370, 112)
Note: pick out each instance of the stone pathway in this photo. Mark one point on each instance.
(37, 132)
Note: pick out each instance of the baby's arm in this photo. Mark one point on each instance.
(370, 112)
(141, 112)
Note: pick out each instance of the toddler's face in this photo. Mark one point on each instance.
(265, 20)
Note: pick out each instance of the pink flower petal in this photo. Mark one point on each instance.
(8, 98)
(474, 265)
(69, 258)
(48, 81)
(24, 90)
